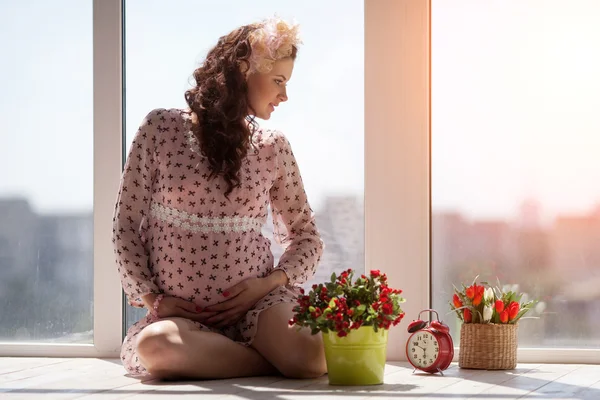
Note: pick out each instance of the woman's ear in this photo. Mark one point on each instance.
(244, 67)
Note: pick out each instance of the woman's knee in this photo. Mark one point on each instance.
(157, 348)
(306, 359)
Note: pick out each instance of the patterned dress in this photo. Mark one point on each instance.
(174, 231)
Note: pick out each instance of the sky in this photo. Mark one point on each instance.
(514, 96)
(515, 100)
(46, 105)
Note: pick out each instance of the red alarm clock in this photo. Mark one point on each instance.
(429, 347)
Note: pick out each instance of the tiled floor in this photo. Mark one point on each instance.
(56, 378)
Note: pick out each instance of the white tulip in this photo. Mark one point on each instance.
(524, 298)
(487, 313)
(488, 295)
(515, 288)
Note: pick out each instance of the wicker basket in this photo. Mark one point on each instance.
(488, 346)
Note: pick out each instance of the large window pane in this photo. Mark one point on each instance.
(46, 187)
(515, 158)
(323, 118)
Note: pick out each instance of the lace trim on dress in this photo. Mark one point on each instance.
(195, 223)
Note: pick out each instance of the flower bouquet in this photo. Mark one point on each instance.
(354, 316)
(488, 334)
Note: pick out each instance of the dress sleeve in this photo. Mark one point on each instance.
(293, 219)
(131, 211)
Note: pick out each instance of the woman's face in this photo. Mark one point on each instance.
(267, 90)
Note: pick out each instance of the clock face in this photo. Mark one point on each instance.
(423, 349)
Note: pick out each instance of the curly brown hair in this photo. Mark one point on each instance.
(220, 104)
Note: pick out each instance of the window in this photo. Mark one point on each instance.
(324, 118)
(386, 120)
(46, 189)
(514, 159)
(396, 157)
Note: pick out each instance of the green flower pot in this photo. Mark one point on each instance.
(357, 359)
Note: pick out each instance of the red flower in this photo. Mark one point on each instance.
(467, 315)
(470, 292)
(477, 300)
(513, 310)
(387, 308)
(456, 300)
(385, 324)
(479, 290)
(504, 316)
(499, 306)
(335, 306)
(398, 319)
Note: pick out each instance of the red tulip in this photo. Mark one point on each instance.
(479, 290)
(467, 315)
(456, 300)
(477, 299)
(470, 292)
(504, 316)
(499, 306)
(513, 310)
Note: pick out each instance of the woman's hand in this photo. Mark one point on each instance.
(175, 307)
(242, 297)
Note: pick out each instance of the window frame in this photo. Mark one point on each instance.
(107, 115)
(397, 149)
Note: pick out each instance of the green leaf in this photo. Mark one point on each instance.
(360, 310)
(332, 304)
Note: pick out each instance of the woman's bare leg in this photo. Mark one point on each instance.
(296, 354)
(175, 348)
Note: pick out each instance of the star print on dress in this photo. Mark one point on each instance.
(174, 232)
